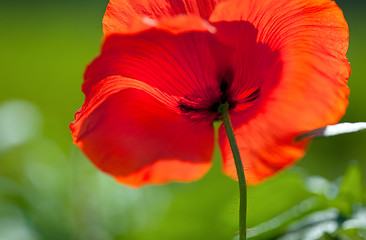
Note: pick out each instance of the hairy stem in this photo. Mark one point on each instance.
(224, 110)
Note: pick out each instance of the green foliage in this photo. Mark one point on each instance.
(350, 191)
(334, 211)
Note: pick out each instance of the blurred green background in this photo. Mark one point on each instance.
(49, 190)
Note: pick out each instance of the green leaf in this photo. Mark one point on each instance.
(351, 190)
(286, 207)
(351, 234)
(281, 197)
(278, 225)
(327, 236)
(313, 226)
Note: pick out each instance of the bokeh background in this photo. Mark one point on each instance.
(49, 190)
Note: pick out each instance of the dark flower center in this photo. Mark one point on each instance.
(224, 96)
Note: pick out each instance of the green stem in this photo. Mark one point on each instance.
(224, 110)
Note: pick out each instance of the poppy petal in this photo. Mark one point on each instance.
(311, 39)
(131, 135)
(125, 16)
(184, 65)
(255, 66)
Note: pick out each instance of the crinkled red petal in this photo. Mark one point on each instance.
(311, 39)
(181, 66)
(130, 125)
(128, 133)
(126, 16)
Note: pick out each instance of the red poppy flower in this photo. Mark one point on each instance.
(165, 67)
